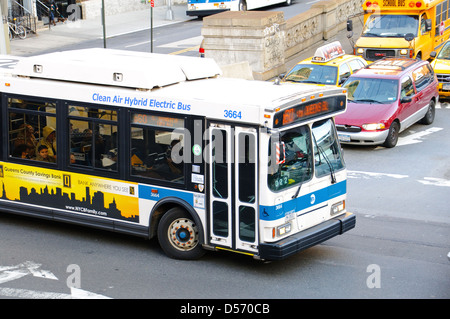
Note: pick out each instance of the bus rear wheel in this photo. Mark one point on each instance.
(178, 235)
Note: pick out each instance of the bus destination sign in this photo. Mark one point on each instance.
(304, 111)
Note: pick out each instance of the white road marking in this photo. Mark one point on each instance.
(10, 273)
(417, 137)
(32, 294)
(435, 181)
(136, 44)
(186, 43)
(75, 293)
(366, 175)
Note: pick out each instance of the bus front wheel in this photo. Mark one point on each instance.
(178, 235)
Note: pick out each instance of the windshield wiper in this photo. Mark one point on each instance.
(369, 34)
(315, 82)
(291, 80)
(366, 100)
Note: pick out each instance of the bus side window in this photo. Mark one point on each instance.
(27, 122)
(156, 151)
(93, 137)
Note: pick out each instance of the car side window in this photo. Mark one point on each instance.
(422, 77)
(344, 73)
(407, 87)
(355, 65)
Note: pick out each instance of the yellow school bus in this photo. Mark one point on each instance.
(403, 28)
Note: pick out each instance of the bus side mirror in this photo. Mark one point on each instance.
(349, 25)
(428, 25)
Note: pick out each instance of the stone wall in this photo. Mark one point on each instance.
(92, 8)
(266, 40)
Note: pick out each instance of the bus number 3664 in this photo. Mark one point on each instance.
(232, 114)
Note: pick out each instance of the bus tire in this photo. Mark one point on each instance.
(178, 235)
(392, 138)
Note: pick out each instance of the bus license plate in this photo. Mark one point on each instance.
(446, 86)
(344, 138)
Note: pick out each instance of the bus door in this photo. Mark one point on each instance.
(233, 190)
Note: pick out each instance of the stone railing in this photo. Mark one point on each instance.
(265, 40)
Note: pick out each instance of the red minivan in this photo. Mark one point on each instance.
(385, 98)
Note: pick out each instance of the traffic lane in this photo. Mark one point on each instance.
(119, 266)
(410, 180)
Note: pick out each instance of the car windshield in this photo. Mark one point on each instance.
(312, 73)
(445, 52)
(395, 26)
(367, 90)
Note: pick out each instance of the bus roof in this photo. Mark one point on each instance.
(116, 67)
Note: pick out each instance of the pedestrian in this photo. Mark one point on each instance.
(53, 9)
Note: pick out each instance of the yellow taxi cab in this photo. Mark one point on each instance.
(329, 66)
(441, 66)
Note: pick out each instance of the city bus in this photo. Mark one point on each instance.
(403, 28)
(202, 8)
(162, 146)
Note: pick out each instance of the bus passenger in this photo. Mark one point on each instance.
(22, 151)
(43, 155)
(26, 136)
(48, 139)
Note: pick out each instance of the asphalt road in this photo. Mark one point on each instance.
(397, 250)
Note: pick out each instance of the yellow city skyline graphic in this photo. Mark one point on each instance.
(69, 191)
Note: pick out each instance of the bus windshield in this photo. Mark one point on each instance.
(292, 159)
(311, 73)
(327, 152)
(395, 26)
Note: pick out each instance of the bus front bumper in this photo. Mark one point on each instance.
(310, 237)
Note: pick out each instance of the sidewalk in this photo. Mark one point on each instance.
(70, 33)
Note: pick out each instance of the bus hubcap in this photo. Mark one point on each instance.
(183, 234)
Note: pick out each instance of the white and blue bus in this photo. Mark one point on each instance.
(202, 8)
(157, 146)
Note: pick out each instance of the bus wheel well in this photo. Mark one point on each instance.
(179, 234)
(163, 208)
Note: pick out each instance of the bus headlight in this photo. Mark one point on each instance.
(373, 126)
(337, 208)
(360, 51)
(404, 51)
(283, 229)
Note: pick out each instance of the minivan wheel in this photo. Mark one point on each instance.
(429, 116)
(392, 138)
